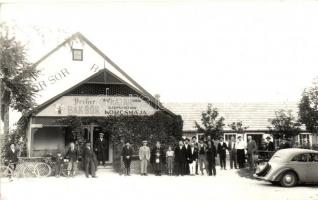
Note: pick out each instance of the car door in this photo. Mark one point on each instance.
(300, 164)
(312, 172)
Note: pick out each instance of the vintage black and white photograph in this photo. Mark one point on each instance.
(159, 99)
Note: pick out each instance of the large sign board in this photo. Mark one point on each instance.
(98, 106)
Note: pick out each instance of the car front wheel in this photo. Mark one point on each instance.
(289, 179)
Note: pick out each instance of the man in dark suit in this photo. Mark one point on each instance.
(180, 159)
(232, 152)
(127, 153)
(101, 149)
(270, 147)
(187, 154)
(210, 155)
(12, 158)
(90, 161)
(158, 158)
(222, 153)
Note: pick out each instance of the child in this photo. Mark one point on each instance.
(58, 164)
(170, 155)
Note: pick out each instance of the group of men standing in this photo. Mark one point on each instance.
(189, 157)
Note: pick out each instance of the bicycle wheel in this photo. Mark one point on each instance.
(43, 169)
(29, 171)
(5, 171)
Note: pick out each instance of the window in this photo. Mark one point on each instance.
(314, 157)
(77, 54)
(227, 137)
(301, 157)
(303, 138)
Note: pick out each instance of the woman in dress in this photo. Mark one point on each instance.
(170, 157)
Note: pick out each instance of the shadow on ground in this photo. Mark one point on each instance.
(246, 173)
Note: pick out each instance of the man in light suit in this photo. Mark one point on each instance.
(251, 150)
(144, 156)
(232, 152)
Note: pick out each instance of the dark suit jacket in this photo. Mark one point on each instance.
(211, 153)
(270, 146)
(72, 155)
(162, 156)
(180, 154)
(11, 156)
(127, 152)
(193, 155)
(188, 151)
(101, 146)
(230, 146)
(222, 148)
(89, 156)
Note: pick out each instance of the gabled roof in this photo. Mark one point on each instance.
(128, 80)
(253, 115)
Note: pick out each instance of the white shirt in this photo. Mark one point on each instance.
(240, 145)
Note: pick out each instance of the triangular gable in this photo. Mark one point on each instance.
(59, 73)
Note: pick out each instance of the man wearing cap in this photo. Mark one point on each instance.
(144, 156)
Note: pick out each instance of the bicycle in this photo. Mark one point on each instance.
(7, 171)
(43, 169)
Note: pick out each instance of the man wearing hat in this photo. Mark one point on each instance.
(101, 149)
(222, 153)
(144, 156)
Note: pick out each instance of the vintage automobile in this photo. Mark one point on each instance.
(289, 167)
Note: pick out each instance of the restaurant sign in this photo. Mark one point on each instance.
(98, 106)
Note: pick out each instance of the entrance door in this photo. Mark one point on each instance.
(95, 136)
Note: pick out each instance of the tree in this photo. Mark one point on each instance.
(308, 108)
(238, 127)
(16, 73)
(212, 123)
(284, 125)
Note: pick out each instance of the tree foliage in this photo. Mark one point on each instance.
(308, 108)
(158, 127)
(16, 72)
(238, 127)
(211, 123)
(284, 125)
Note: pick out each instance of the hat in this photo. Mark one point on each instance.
(101, 133)
(144, 141)
(239, 137)
(268, 137)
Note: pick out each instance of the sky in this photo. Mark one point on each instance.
(188, 51)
